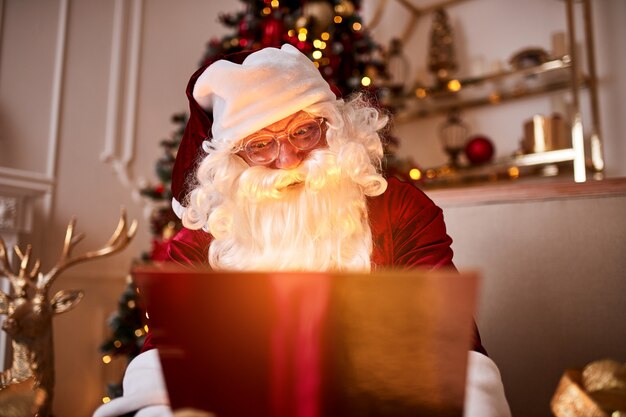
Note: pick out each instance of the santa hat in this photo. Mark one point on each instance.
(243, 93)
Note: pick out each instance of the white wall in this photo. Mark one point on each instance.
(60, 105)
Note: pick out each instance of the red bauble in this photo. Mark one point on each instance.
(273, 30)
(479, 149)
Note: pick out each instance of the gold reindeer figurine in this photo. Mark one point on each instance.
(27, 387)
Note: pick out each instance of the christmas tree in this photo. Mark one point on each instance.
(441, 56)
(332, 35)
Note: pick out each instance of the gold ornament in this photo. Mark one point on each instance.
(598, 391)
(318, 14)
(345, 8)
(28, 386)
(302, 22)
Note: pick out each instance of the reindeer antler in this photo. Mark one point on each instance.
(118, 241)
(17, 281)
(5, 268)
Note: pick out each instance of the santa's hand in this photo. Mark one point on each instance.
(144, 390)
(484, 392)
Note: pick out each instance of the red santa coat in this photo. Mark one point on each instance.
(408, 232)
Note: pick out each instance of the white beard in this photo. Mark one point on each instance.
(313, 218)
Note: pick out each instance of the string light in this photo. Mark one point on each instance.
(317, 54)
(420, 92)
(415, 174)
(266, 10)
(145, 328)
(365, 81)
(106, 359)
(302, 34)
(454, 85)
(513, 172)
(117, 344)
(106, 400)
(131, 303)
(494, 98)
(291, 32)
(317, 43)
(325, 36)
(139, 332)
(275, 4)
(338, 19)
(317, 64)
(356, 26)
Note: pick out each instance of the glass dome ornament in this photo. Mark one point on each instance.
(453, 134)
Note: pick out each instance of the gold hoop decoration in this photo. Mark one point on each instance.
(417, 13)
(378, 14)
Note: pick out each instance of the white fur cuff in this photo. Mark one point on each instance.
(144, 387)
(484, 392)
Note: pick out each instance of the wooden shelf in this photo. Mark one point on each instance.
(506, 167)
(551, 76)
(525, 190)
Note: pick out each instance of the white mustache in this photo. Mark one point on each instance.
(260, 183)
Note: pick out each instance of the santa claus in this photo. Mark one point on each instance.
(290, 179)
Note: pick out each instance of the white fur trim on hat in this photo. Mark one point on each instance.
(268, 86)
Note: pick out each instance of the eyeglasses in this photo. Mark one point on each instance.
(264, 148)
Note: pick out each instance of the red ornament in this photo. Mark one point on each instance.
(273, 30)
(479, 150)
